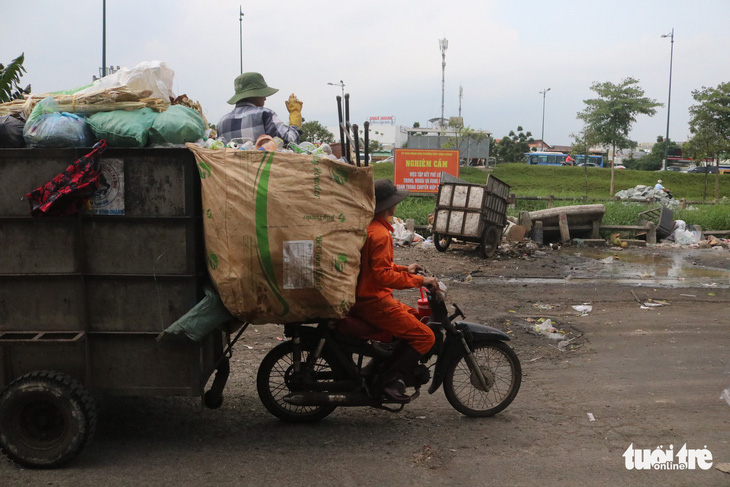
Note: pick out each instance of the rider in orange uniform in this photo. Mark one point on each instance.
(375, 303)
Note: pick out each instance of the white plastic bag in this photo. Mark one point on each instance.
(687, 237)
(148, 75)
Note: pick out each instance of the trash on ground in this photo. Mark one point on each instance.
(726, 395)
(591, 417)
(545, 306)
(655, 303)
(723, 467)
(583, 309)
(545, 327)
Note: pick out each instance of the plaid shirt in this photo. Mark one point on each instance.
(247, 120)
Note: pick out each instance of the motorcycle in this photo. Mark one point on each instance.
(321, 368)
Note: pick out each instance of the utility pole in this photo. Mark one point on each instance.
(103, 39)
(240, 34)
(461, 95)
(443, 45)
(542, 135)
(669, 100)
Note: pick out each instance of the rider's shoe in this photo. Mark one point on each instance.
(395, 390)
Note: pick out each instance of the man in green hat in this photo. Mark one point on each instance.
(250, 119)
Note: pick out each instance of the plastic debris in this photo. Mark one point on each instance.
(726, 395)
(591, 417)
(583, 309)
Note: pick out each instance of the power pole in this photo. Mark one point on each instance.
(461, 95)
(240, 34)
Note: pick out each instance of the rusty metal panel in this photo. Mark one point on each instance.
(20, 359)
(137, 364)
(129, 246)
(33, 246)
(119, 278)
(38, 302)
(138, 304)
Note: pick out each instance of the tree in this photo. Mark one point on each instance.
(709, 126)
(610, 116)
(417, 125)
(316, 133)
(653, 160)
(582, 145)
(462, 134)
(10, 79)
(512, 147)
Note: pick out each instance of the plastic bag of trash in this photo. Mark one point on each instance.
(11, 132)
(148, 75)
(49, 127)
(687, 237)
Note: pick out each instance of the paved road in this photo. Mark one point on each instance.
(646, 378)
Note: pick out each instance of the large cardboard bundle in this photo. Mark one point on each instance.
(283, 232)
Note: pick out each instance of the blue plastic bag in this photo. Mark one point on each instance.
(48, 127)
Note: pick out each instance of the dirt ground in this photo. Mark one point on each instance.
(622, 375)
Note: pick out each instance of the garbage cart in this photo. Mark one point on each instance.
(84, 297)
(470, 213)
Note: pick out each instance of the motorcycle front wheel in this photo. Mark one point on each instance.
(276, 379)
(503, 374)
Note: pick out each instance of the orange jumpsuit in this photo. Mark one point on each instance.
(379, 275)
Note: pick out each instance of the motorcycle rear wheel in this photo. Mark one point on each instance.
(502, 370)
(275, 380)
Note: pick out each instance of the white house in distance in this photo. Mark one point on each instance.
(383, 129)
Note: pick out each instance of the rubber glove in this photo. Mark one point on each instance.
(294, 105)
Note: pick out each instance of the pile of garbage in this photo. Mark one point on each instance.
(643, 193)
(128, 108)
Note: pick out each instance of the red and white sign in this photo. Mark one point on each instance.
(419, 170)
(390, 120)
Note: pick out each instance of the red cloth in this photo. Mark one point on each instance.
(71, 190)
(379, 275)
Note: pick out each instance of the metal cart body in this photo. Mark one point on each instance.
(83, 298)
(470, 213)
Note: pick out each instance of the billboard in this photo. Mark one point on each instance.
(389, 120)
(419, 170)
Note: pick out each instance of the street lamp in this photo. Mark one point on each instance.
(443, 45)
(341, 84)
(669, 99)
(542, 136)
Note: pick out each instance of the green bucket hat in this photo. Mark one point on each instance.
(248, 85)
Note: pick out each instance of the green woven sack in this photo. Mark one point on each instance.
(177, 125)
(123, 128)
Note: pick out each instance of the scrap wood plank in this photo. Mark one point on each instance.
(564, 230)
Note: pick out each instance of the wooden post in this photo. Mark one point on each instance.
(410, 225)
(512, 200)
(650, 233)
(596, 231)
(524, 220)
(537, 235)
(551, 201)
(683, 203)
(564, 230)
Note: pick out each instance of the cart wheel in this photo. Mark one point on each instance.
(441, 242)
(46, 419)
(490, 241)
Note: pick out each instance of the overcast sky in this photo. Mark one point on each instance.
(502, 53)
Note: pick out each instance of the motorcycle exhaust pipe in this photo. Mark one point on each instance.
(329, 399)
